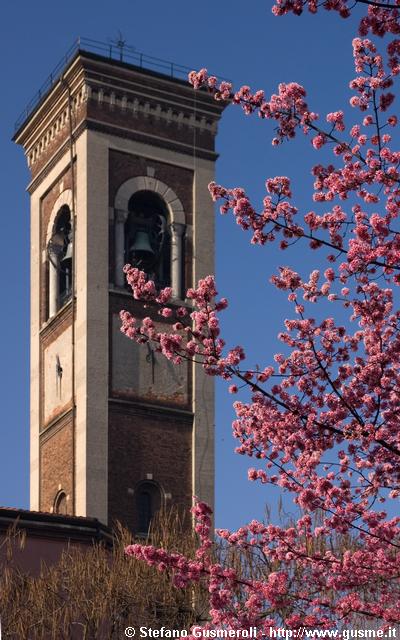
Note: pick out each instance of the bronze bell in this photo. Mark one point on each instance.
(68, 253)
(141, 246)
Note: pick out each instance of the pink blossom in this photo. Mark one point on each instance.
(321, 422)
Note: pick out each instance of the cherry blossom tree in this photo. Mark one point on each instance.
(322, 421)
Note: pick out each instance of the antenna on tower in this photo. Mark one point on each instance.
(120, 43)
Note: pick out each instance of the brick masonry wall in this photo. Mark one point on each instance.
(143, 441)
(56, 464)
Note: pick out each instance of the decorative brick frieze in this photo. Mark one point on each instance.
(104, 92)
(58, 132)
(56, 325)
(133, 105)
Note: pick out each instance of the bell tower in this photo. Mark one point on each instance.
(121, 153)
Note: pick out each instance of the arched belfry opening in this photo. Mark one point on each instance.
(149, 233)
(59, 250)
(148, 236)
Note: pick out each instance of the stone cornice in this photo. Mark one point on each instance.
(58, 323)
(142, 408)
(50, 429)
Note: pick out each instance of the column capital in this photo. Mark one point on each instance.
(121, 215)
(177, 228)
(54, 251)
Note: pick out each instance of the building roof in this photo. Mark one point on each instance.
(55, 526)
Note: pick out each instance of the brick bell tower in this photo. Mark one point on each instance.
(120, 154)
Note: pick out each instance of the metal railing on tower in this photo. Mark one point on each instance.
(117, 51)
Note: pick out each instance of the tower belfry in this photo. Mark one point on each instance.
(120, 156)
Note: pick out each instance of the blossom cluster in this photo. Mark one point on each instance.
(335, 389)
(322, 421)
(194, 334)
(240, 601)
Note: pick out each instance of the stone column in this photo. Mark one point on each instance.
(120, 218)
(177, 231)
(53, 284)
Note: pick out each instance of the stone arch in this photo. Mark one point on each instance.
(64, 199)
(177, 220)
(60, 504)
(145, 183)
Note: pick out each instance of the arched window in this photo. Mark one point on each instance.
(144, 510)
(147, 503)
(60, 503)
(60, 261)
(147, 236)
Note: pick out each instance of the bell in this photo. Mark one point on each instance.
(68, 253)
(56, 245)
(141, 246)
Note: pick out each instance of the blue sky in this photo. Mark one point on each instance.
(242, 41)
